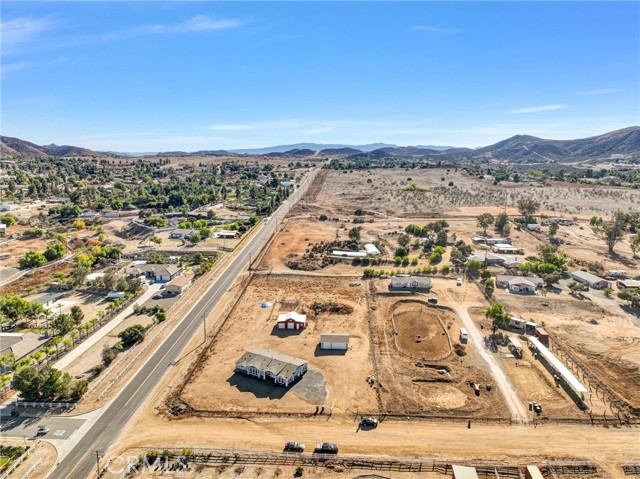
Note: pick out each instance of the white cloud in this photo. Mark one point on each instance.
(14, 67)
(316, 131)
(199, 23)
(435, 30)
(536, 109)
(23, 29)
(601, 91)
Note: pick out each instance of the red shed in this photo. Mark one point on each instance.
(543, 336)
(292, 320)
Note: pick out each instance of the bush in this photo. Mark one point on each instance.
(131, 335)
(323, 218)
(32, 259)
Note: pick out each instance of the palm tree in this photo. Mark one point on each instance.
(55, 341)
(74, 334)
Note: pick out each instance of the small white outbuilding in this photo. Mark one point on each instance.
(334, 341)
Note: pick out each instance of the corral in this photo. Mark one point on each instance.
(420, 332)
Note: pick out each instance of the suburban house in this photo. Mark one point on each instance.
(292, 320)
(20, 344)
(47, 300)
(182, 233)
(410, 284)
(507, 249)
(159, 273)
(487, 259)
(263, 363)
(519, 284)
(178, 285)
(595, 282)
(628, 283)
(334, 341)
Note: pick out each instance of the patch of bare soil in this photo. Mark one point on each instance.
(420, 332)
(426, 387)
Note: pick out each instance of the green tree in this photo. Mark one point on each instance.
(528, 208)
(62, 324)
(634, 244)
(578, 288)
(77, 315)
(8, 220)
(404, 240)
(156, 239)
(553, 229)
(55, 251)
(195, 238)
(473, 266)
(484, 221)
(613, 231)
(354, 234)
(498, 314)
(132, 335)
(502, 220)
(631, 295)
(33, 259)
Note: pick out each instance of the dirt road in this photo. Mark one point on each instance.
(475, 336)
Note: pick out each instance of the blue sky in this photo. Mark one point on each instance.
(152, 76)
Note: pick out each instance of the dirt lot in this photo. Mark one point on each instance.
(420, 330)
(389, 193)
(35, 279)
(19, 247)
(426, 387)
(334, 379)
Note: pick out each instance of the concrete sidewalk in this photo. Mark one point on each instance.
(106, 329)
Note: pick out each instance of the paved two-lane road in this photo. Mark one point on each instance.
(80, 462)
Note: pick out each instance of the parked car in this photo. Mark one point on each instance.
(459, 282)
(432, 300)
(42, 430)
(326, 448)
(293, 447)
(369, 422)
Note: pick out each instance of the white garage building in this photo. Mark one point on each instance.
(334, 341)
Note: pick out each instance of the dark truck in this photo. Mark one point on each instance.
(326, 448)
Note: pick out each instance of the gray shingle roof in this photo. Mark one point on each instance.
(275, 363)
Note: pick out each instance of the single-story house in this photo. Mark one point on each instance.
(371, 249)
(89, 214)
(227, 234)
(182, 233)
(628, 283)
(534, 227)
(178, 285)
(492, 241)
(595, 282)
(8, 207)
(334, 341)
(160, 273)
(48, 299)
(287, 184)
(292, 320)
(263, 363)
(515, 284)
(464, 472)
(487, 259)
(507, 249)
(410, 284)
(20, 344)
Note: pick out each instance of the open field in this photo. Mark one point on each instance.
(334, 378)
(387, 194)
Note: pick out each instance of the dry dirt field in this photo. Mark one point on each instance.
(420, 386)
(387, 194)
(35, 279)
(19, 247)
(334, 379)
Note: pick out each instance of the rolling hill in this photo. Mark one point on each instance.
(15, 147)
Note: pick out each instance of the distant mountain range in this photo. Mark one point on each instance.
(517, 149)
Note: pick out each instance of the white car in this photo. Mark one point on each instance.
(459, 282)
